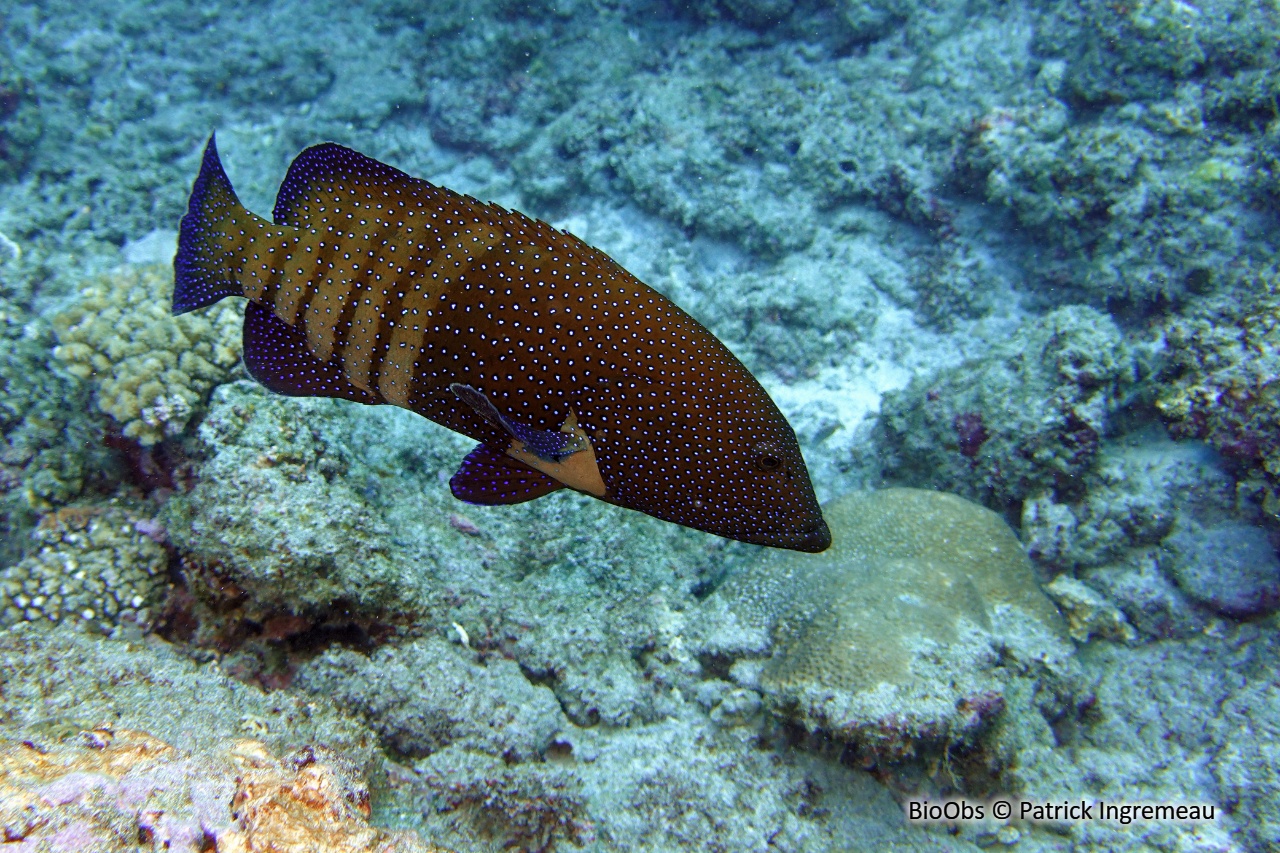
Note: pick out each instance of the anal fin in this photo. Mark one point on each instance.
(276, 355)
(565, 455)
(491, 477)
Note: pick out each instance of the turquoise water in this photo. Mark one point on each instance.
(1007, 269)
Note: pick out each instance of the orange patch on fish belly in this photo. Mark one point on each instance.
(578, 470)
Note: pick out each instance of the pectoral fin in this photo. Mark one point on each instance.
(565, 454)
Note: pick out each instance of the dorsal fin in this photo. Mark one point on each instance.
(490, 477)
(321, 174)
(276, 355)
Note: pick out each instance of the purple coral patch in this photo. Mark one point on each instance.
(971, 432)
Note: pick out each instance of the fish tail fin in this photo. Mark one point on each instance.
(211, 239)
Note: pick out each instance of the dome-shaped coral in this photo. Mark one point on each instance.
(898, 633)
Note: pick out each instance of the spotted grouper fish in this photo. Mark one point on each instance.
(380, 288)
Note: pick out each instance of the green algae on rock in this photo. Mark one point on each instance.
(1027, 418)
(895, 638)
(1220, 384)
(151, 371)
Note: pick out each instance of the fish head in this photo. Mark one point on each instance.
(760, 491)
(728, 464)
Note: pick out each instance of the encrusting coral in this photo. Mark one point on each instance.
(151, 370)
(121, 790)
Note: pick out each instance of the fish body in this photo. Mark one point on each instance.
(373, 286)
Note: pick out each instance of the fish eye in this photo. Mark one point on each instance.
(767, 457)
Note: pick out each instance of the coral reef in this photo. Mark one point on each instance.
(110, 745)
(351, 517)
(850, 194)
(93, 567)
(1137, 165)
(51, 444)
(891, 640)
(678, 783)
(1162, 532)
(61, 680)
(151, 371)
(752, 158)
(21, 124)
(1147, 50)
(1088, 614)
(1166, 724)
(305, 537)
(306, 803)
(1152, 602)
(1220, 384)
(425, 695)
(1246, 766)
(1231, 568)
(1027, 417)
(133, 746)
(527, 807)
(1138, 218)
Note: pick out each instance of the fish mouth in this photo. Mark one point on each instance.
(815, 539)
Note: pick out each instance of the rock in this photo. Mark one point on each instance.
(1088, 614)
(1231, 569)
(1025, 419)
(426, 695)
(1148, 598)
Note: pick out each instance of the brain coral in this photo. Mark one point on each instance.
(894, 637)
(151, 370)
(94, 567)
